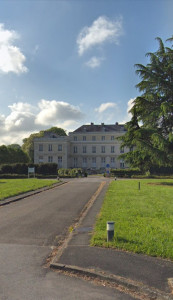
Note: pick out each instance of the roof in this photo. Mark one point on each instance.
(51, 135)
(100, 128)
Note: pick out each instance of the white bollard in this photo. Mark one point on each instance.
(110, 230)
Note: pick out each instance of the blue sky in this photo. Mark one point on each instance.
(68, 63)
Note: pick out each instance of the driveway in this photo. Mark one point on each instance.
(29, 229)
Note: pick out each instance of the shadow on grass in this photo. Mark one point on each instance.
(123, 240)
(161, 183)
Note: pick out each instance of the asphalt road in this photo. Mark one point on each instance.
(29, 229)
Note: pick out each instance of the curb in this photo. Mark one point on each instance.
(28, 194)
(131, 285)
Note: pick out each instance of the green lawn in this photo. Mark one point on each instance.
(12, 187)
(143, 218)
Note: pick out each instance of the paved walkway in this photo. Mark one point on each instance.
(146, 275)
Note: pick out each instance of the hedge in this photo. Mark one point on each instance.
(22, 169)
(156, 170)
(127, 173)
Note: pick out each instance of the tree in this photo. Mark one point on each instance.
(16, 154)
(56, 130)
(28, 143)
(12, 154)
(150, 129)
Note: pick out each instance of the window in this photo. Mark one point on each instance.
(75, 138)
(40, 147)
(112, 137)
(122, 150)
(131, 148)
(103, 149)
(50, 159)
(93, 138)
(75, 162)
(84, 149)
(59, 158)
(112, 162)
(84, 162)
(112, 149)
(103, 138)
(59, 161)
(103, 162)
(59, 147)
(94, 162)
(40, 159)
(84, 138)
(93, 149)
(122, 164)
(75, 149)
(50, 147)
(93, 159)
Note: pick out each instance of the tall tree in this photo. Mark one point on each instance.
(151, 125)
(12, 154)
(28, 143)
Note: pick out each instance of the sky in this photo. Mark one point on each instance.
(66, 63)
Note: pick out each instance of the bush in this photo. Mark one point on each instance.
(13, 176)
(125, 173)
(6, 169)
(152, 177)
(22, 169)
(72, 173)
(156, 170)
(46, 169)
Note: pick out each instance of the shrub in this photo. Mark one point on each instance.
(22, 169)
(126, 173)
(6, 169)
(72, 173)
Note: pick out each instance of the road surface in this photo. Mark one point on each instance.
(29, 229)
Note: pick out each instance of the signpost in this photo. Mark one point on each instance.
(31, 171)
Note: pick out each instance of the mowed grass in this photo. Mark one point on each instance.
(13, 187)
(143, 218)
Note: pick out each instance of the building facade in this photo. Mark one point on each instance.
(88, 147)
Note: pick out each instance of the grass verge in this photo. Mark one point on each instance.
(143, 218)
(13, 187)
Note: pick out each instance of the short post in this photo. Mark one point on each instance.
(110, 230)
(139, 186)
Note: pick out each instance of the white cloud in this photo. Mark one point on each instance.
(130, 105)
(56, 111)
(105, 106)
(128, 116)
(11, 57)
(21, 117)
(94, 62)
(107, 112)
(102, 30)
(25, 119)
